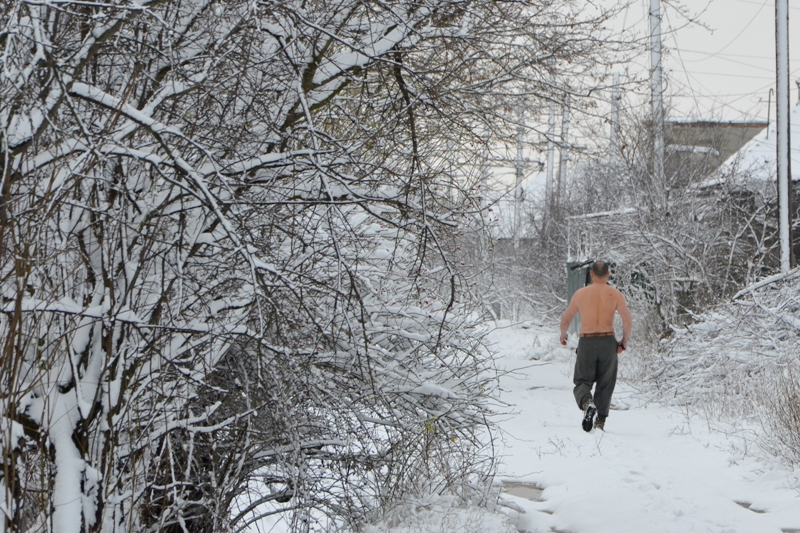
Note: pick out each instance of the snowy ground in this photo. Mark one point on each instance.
(652, 470)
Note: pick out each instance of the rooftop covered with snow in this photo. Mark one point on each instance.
(756, 159)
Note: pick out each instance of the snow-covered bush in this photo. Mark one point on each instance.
(740, 362)
(213, 285)
(229, 255)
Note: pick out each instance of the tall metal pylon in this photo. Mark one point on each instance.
(551, 152)
(783, 130)
(656, 88)
(563, 152)
(616, 96)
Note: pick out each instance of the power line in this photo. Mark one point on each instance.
(792, 73)
(695, 97)
(743, 29)
(739, 95)
(715, 98)
(680, 57)
(704, 95)
(732, 75)
(771, 58)
(734, 61)
(728, 105)
(759, 3)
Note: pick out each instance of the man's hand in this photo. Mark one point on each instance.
(572, 310)
(621, 347)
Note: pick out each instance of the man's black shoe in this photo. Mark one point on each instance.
(588, 417)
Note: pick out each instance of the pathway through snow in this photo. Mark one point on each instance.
(652, 471)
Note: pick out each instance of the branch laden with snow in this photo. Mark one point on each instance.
(229, 274)
(737, 361)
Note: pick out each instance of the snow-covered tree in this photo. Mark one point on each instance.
(229, 254)
(713, 236)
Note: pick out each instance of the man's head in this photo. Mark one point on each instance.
(599, 271)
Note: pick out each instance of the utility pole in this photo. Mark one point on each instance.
(783, 138)
(616, 96)
(551, 152)
(518, 182)
(656, 87)
(562, 163)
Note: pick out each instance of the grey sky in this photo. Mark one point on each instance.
(724, 70)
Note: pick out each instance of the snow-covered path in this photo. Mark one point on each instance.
(652, 471)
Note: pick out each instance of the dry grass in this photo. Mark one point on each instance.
(781, 414)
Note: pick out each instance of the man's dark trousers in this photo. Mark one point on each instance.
(596, 363)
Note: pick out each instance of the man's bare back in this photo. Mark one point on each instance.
(597, 304)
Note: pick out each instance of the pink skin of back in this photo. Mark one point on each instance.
(597, 304)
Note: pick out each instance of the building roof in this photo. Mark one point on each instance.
(718, 138)
(755, 161)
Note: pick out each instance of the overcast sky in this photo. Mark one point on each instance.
(723, 70)
(719, 69)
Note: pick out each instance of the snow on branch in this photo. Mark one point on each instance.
(231, 257)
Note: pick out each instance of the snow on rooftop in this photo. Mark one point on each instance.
(756, 159)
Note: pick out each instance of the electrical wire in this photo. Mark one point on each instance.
(715, 101)
(759, 3)
(772, 58)
(772, 70)
(727, 75)
(743, 29)
(680, 57)
(729, 103)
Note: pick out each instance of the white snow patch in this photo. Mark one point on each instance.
(652, 471)
(442, 515)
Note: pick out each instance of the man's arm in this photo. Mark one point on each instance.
(627, 321)
(572, 309)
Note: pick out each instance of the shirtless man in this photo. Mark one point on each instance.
(597, 347)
